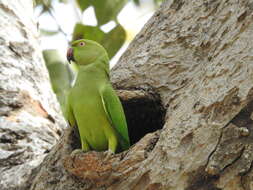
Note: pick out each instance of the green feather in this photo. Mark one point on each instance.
(116, 115)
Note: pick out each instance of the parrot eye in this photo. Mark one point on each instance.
(81, 43)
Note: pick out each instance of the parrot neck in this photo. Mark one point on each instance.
(101, 63)
(97, 71)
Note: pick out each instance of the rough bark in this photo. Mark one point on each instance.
(196, 56)
(30, 119)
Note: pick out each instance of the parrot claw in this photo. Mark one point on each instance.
(76, 152)
(108, 154)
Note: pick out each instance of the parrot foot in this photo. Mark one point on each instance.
(76, 152)
(108, 154)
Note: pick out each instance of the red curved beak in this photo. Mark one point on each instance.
(70, 56)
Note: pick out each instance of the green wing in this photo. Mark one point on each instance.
(115, 113)
(68, 113)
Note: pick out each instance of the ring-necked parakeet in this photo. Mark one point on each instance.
(92, 103)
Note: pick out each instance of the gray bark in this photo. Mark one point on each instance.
(196, 56)
(30, 119)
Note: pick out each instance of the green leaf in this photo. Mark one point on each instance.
(137, 2)
(158, 2)
(64, 1)
(46, 4)
(48, 32)
(107, 10)
(83, 4)
(88, 32)
(114, 40)
(60, 75)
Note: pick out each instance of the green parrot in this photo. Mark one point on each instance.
(92, 103)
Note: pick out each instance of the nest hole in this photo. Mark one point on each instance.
(144, 114)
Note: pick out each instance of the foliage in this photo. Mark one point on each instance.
(105, 12)
(157, 2)
(112, 41)
(60, 74)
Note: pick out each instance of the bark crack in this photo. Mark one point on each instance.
(14, 51)
(234, 161)
(215, 148)
(244, 175)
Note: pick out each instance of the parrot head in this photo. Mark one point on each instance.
(84, 52)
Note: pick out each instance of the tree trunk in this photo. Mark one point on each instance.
(30, 123)
(192, 60)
